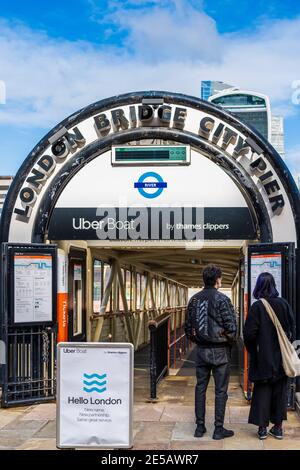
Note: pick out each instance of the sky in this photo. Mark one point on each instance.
(58, 56)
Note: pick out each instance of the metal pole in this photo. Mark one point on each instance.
(104, 303)
(169, 342)
(153, 365)
(123, 294)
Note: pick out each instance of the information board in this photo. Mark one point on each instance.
(32, 288)
(95, 395)
(271, 263)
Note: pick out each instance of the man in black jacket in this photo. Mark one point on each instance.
(211, 324)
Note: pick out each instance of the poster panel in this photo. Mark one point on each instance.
(271, 263)
(62, 296)
(32, 288)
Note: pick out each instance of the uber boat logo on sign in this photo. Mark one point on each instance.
(152, 223)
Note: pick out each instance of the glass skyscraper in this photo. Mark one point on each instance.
(250, 107)
(211, 87)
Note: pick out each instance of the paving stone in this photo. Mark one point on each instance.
(18, 409)
(285, 444)
(45, 411)
(154, 433)
(185, 432)
(175, 413)
(22, 427)
(10, 442)
(238, 414)
(245, 438)
(178, 378)
(172, 384)
(291, 432)
(196, 445)
(236, 444)
(24, 424)
(187, 402)
(39, 444)
(137, 426)
(165, 398)
(293, 419)
(6, 418)
(155, 446)
(48, 431)
(148, 412)
(191, 382)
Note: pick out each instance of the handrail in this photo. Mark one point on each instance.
(110, 313)
(157, 322)
(153, 319)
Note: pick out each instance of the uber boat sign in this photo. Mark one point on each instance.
(95, 395)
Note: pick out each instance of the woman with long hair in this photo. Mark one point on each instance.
(269, 399)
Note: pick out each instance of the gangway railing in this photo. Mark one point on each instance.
(178, 344)
(159, 350)
(167, 343)
(139, 319)
(162, 328)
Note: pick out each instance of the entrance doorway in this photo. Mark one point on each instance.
(119, 289)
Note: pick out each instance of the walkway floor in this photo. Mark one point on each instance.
(167, 424)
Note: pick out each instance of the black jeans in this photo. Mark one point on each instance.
(269, 402)
(217, 362)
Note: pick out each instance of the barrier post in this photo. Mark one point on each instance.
(159, 347)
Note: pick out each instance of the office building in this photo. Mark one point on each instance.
(250, 107)
(5, 182)
(277, 134)
(212, 87)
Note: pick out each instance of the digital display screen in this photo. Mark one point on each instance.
(152, 154)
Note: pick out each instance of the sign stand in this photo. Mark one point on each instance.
(94, 395)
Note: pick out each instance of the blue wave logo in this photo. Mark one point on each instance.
(94, 383)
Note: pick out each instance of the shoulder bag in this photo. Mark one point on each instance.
(290, 359)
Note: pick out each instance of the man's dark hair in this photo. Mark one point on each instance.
(210, 275)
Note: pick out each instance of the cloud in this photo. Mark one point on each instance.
(163, 45)
(162, 31)
(293, 159)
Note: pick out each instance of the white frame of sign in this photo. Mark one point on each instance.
(107, 445)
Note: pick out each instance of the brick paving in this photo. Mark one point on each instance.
(165, 425)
